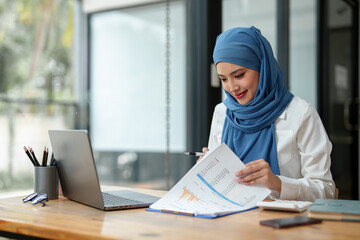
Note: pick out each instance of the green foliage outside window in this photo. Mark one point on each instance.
(36, 40)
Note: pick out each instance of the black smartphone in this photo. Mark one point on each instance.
(289, 222)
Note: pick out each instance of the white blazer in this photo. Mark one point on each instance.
(303, 150)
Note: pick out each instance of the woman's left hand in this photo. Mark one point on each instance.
(259, 172)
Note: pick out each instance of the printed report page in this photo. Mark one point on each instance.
(210, 188)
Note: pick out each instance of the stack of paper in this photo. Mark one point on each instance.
(210, 189)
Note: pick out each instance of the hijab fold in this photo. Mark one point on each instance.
(249, 130)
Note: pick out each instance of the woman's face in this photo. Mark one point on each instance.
(240, 82)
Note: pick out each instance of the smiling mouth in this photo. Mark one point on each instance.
(240, 95)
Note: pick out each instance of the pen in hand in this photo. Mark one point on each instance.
(198, 154)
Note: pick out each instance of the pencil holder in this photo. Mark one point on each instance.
(46, 181)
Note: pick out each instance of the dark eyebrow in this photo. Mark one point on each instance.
(233, 72)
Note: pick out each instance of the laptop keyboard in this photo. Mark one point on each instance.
(112, 200)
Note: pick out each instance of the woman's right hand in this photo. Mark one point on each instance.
(204, 150)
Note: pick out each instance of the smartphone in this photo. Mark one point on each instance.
(289, 222)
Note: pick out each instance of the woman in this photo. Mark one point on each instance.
(279, 137)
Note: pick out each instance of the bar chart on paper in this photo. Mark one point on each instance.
(210, 188)
(187, 195)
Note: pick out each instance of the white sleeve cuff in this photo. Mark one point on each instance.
(290, 188)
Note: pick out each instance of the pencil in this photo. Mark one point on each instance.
(28, 154)
(34, 157)
(47, 156)
(43, 160)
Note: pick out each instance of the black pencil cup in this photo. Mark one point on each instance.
(46, 181)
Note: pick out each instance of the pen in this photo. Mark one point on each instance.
(34, 157)
(194, 154)
(28, 154)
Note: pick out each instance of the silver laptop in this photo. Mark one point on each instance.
(78, 176)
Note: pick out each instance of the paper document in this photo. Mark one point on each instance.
(210, 189)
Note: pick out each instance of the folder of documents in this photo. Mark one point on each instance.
(210, 189)
(335, 209)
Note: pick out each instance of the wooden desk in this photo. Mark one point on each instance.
(65, 219)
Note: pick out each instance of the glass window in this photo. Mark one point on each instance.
(245, 13)
(258, 13)
(303, 50)
(127, 90)
(36, 84)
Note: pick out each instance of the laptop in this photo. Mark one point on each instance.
(78, 176)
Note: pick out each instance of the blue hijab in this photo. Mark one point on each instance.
(249, 129)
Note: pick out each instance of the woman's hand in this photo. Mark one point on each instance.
(204, 150)
(259, 172)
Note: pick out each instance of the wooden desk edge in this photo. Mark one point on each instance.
(15, 228)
